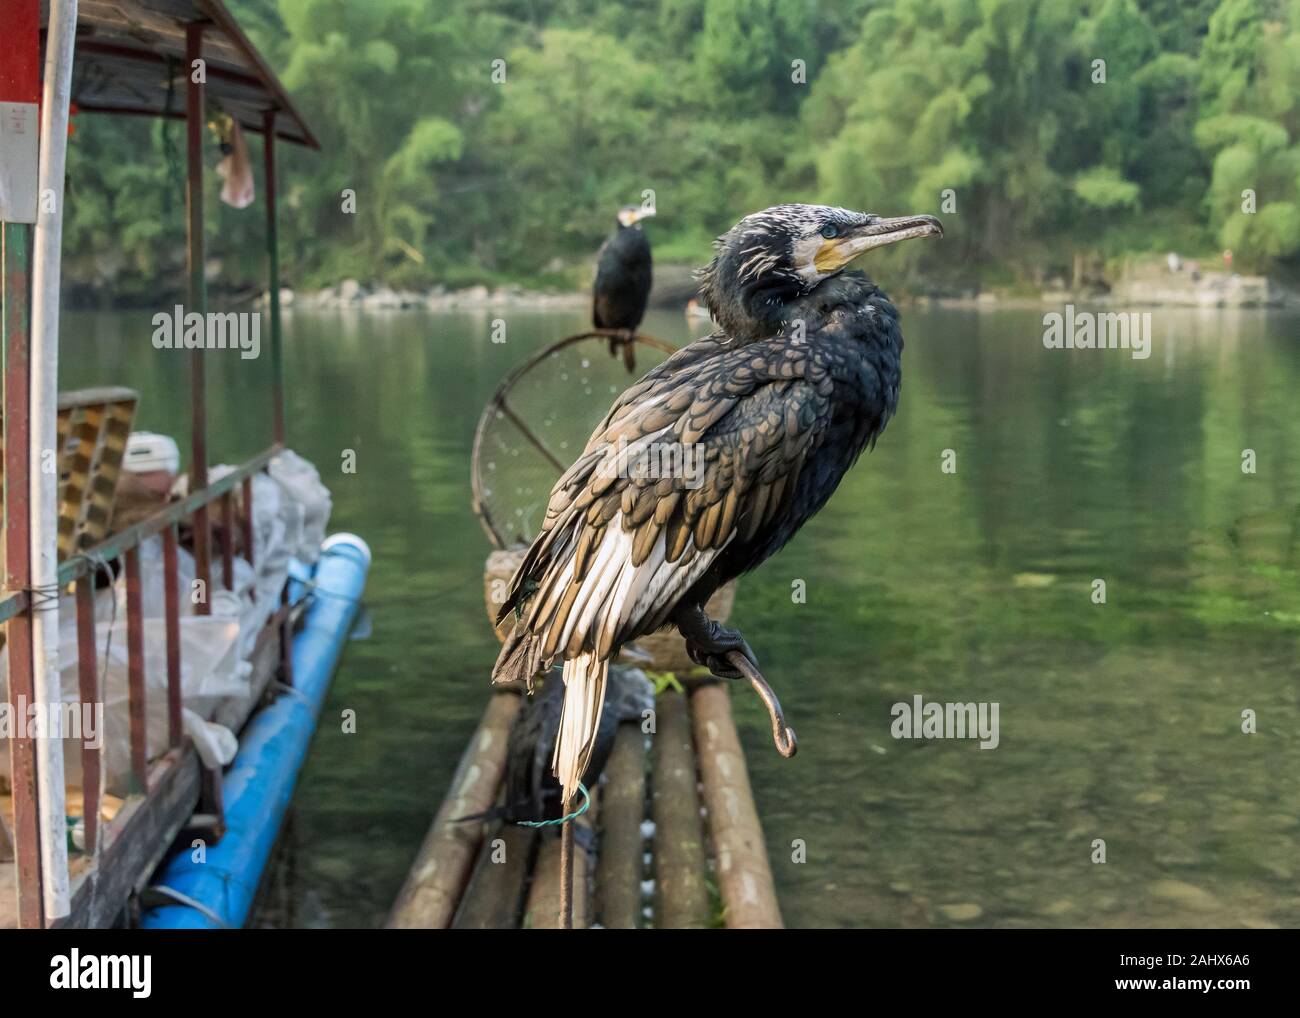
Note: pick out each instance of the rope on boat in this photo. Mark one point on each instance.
(43, 598)
(184, 899)
(281, 687)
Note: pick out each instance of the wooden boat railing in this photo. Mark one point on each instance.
(240, 82)
(133, 833)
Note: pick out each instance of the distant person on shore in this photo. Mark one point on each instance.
(1175, 263)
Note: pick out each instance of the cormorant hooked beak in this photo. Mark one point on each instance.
(836, 252)
(630, 215)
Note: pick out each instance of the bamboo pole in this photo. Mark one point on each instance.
(50, 790)
(681, 895)
(273, 277)
(442, 867)
(618, 871)
(494, 899)
(744, 875)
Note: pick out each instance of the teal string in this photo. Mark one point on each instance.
(586, 804)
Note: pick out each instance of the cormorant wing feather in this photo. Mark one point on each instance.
(619, 547)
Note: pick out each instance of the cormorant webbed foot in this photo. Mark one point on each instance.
(625, 341)
(708, 643)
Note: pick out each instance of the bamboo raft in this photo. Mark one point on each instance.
(674, 807)
(689, 779)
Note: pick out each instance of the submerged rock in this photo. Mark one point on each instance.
(1179, 892)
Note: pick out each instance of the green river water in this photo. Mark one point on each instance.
(1120, 722)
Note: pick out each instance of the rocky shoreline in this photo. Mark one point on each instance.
(350, 294)
(1190, 290)
(1209, 290)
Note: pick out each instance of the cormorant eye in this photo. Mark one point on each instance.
(830, 231)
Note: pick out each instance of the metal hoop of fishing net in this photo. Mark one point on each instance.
(540, 418)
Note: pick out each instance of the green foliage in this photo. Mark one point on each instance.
(1230, 53)
(1103, 188)
(993, 104)
(1274, 232)
(1251, 128)
(578, 117)
(744, 50)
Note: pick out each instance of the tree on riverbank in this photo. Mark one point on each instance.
(491, 140)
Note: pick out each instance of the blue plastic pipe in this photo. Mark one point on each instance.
(260, 781)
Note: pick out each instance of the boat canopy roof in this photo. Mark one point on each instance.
(130, 58)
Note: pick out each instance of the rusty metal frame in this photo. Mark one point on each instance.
(15, 263)
(198, 302)
(88, 690)
(159, 780)
(172, 617)
(81, 570)
(214, 15)
(14, 601)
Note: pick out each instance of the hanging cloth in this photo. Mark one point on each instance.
(235, 171)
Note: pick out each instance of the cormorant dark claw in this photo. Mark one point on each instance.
(708, 643)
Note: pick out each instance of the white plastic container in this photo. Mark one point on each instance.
(152, 460)
(147, 453)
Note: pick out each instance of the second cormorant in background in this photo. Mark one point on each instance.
(802, 374)
(623, 276)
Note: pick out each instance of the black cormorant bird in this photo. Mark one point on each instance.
(801, 375)
(623, 276)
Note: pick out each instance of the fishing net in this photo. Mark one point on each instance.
(539, 420)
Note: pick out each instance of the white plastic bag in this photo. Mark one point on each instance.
(302, 484)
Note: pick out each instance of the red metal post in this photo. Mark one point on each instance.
(246, 522)
(172, 614)
(89, 688)
(228, 540)
(135, 672)
(198, 295)
(273, 279)
(15, 251)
